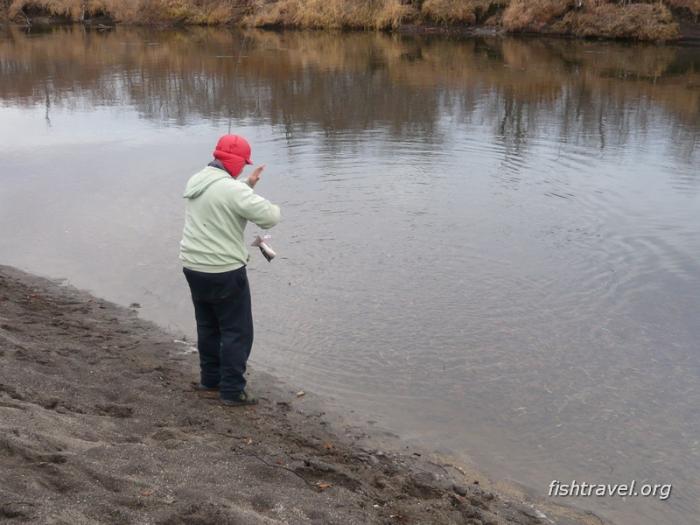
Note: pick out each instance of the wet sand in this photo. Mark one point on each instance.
(99, 423)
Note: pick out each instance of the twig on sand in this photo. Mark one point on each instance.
(441, 466)
(29, 503)
(262, 460)
(459, 469)
(11, 509)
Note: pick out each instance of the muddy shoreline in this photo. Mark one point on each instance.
(100, 424)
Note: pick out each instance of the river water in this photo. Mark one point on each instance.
(490, 246)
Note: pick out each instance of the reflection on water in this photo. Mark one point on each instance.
(491, 245)
(595, 93)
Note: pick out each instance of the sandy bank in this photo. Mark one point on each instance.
(99, 424)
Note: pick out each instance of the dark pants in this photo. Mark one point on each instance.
(224, 328)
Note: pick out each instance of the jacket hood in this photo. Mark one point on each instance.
(199, 183)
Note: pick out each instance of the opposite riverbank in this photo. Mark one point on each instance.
(100, 424)
(658, 21)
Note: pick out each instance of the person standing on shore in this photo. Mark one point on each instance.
(214, 258)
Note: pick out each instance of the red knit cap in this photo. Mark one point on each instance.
(234, 153)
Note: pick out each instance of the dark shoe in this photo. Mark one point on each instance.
(209, 391)
(241, 400)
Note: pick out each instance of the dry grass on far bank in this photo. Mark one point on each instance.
(331, 14)
(643, 20)
(201, 12)
(652, 22)
(533, 15)
(595, 18)
(466, 12)
(639, 20)
(690, 6)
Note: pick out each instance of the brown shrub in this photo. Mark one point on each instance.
(534, 15)
(467, 12)
(692, 6)
(65, 8)
(449, 11)
(653, 22)
(593, 18)
(392, 14)
(331, 14)
(132, 11)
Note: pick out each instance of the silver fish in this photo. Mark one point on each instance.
(265, 249)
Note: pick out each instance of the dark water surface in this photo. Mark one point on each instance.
(490, 246)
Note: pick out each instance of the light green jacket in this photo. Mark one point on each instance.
(218, 209)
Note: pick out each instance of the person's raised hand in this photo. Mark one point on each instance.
(255, 176)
